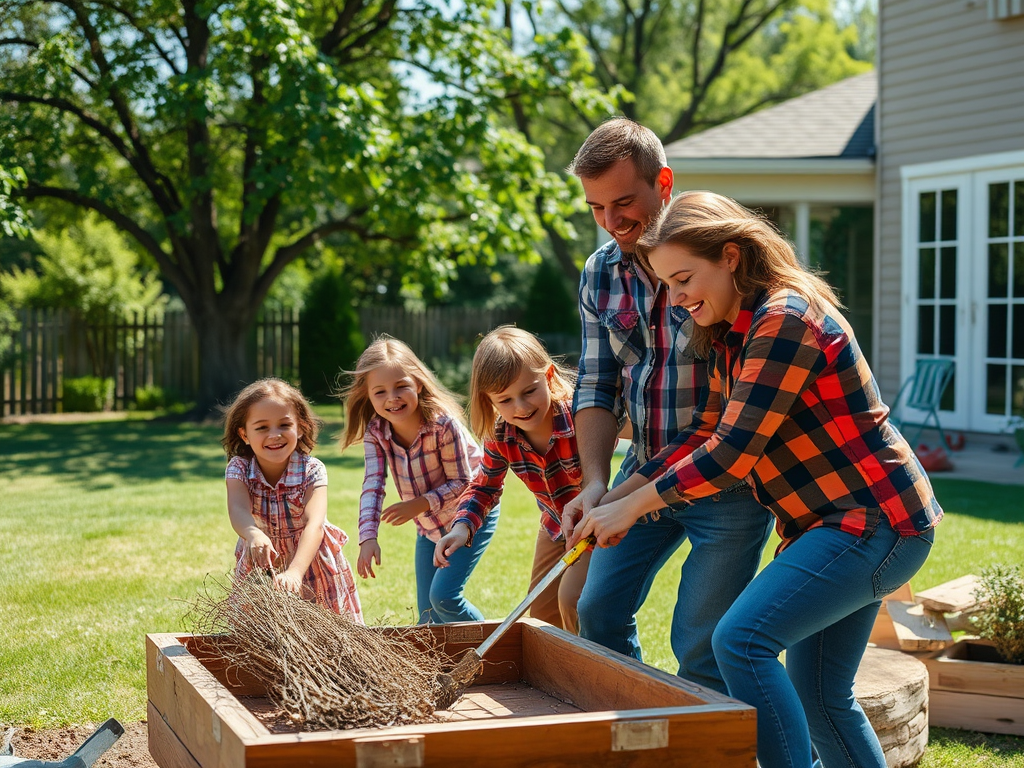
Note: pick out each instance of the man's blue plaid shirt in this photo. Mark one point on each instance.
(635, 357)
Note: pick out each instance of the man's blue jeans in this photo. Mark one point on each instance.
(727, 532)
(439, 591)
(817, 601)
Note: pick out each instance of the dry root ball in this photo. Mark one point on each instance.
(323, 669)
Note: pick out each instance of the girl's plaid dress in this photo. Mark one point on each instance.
(281, 514)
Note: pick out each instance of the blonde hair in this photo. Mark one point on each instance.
(434, 398)
(238, 412)
(499, 360)
(704, 222)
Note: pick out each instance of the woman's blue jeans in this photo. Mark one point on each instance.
(817, 601)
(439, 591)
(727, 532)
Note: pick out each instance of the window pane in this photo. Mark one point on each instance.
(926, 227)
(998, 270)
(926, 280)
(948, 400)
(949, 214)
(1018, 207)
(926, 330)
(1017, 329)
(947, 330)
(1018, 269)
(1017, 396)
(995, 389)
(998, 209)
(997, 330)
(947, 269)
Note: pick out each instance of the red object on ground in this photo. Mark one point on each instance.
(958, 444)
(934, 459)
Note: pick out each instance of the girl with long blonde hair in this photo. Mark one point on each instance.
(409, 423)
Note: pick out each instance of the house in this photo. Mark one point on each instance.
(940, 189)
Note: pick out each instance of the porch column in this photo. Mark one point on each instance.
(802, 236)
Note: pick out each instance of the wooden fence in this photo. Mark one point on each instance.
(146, 350)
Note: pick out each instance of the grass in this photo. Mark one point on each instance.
(108, 528)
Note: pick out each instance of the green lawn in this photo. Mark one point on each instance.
(108, 528)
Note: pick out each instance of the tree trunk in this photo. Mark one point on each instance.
(224, 367)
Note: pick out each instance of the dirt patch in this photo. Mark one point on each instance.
(56, 744)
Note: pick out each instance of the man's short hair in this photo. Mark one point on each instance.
(615, 139)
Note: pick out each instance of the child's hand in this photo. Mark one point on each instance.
(369, 552)
(404, 511)
(261, 549)
(289, 581)
(449, 544)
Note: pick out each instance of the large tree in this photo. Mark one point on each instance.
(228, 137)
(681, 66)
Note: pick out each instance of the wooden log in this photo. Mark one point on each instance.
(952, 596)
(892, 689)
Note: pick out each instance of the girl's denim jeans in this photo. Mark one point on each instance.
(439, 591)
(816, 601)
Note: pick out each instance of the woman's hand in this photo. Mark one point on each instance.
(369, 552)
(289, 581)
(449, 543)
(404, 511)
(261, 549)
(609, 523)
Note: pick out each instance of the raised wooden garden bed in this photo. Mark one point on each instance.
(545, 698)
(971, 688)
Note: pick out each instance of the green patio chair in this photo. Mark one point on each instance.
(923, 391)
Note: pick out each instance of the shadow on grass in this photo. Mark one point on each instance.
(987, 501)
(100, 455)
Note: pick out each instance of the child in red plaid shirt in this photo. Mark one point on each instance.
(521, 407)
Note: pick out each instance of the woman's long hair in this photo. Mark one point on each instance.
(703, 222)
(434, 398)
(499, 360)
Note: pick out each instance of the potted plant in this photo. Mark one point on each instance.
(978, 683)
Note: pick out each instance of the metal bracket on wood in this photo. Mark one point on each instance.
(385, 752)
(631, 735)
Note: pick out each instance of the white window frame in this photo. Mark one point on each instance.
(970, 176)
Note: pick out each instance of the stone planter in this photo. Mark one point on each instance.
(971, 688)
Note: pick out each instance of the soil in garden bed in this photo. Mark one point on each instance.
(55, 744)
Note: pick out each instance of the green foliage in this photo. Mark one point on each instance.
(87, 394)
(150, 398)
(551, 306)
(1001, 618)
(329, 332)
(13, 221)
(8, 327)
(455, 374)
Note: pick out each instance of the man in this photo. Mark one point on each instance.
(636, 363)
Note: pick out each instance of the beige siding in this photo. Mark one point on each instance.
(951, 85)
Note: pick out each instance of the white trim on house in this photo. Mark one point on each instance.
(963, 165)
(768, 165)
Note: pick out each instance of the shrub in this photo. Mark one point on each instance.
(1001, 619)
(330, 339)
(150, 398)
(87, 393)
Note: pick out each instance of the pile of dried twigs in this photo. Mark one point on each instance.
(323, 669)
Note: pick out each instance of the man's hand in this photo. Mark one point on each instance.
(587, 499)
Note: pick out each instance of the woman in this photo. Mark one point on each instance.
(793, 408)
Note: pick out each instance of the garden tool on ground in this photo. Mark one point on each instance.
(469, 667)
(87, 754)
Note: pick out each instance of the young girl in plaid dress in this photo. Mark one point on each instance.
(521, 407)
(409, 423)
(277, 497)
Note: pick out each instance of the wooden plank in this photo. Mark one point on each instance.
(595, 678)
(975, 712)
(210, 721)
(952, 596)
(698, 737)
(166, 749)
(916, 629)
(981, 677)
(883, 633)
